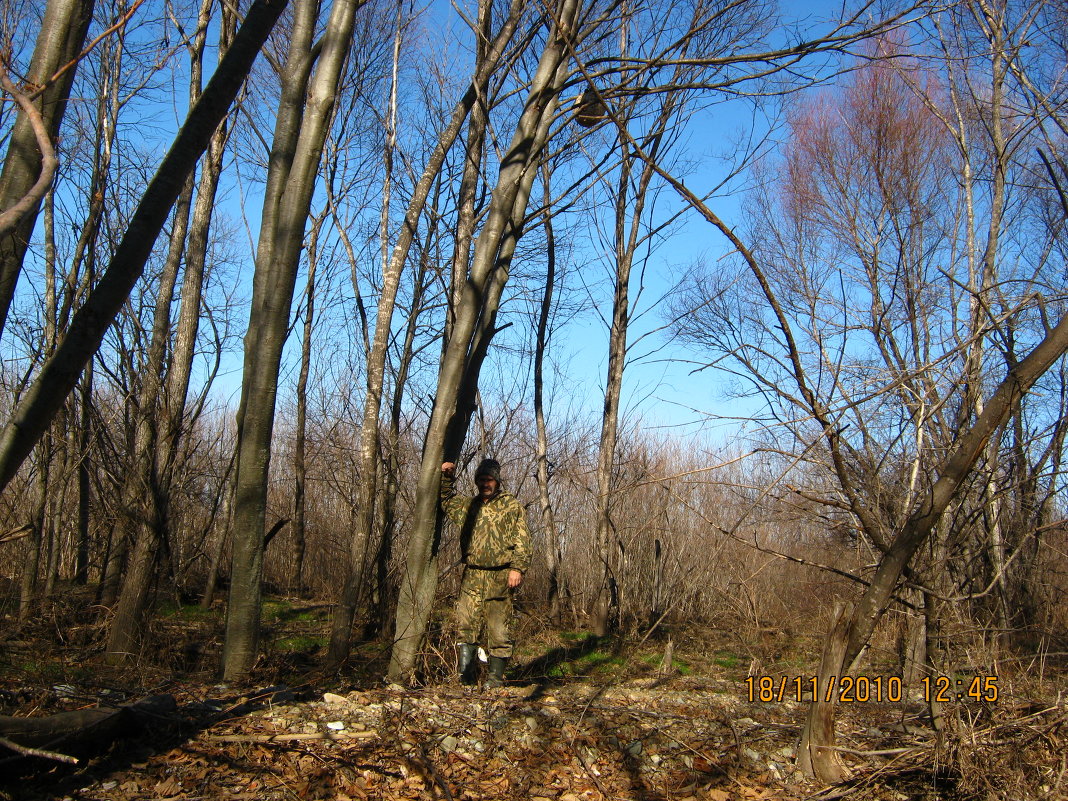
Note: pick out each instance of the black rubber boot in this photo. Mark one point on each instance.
(497, 664)
(465, 662)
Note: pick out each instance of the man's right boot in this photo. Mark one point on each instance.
(465, 662)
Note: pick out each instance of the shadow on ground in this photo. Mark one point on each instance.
(102, 751)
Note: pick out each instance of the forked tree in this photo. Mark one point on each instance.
(310, 79)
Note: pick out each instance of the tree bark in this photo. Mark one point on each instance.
(300, 465)
(304, 116)
(816, 755)
(541, 342)
(61, 37)
(473, 329)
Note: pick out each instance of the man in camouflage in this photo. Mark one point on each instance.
(495, 551)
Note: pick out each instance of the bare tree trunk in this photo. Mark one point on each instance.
(59, 41)
(629, 203)
(300, 467)
(84, 437)
(141, 509)
(382, 594)
(146, 490)
(305, 112)
(215, 563)
(817, 755)
(196, 253)
(603, 614)
(32, 561)
(541, 342)
(474, 327)
(376, 361)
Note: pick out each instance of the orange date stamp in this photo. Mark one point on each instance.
(868, 689)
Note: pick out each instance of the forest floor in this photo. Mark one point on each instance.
(580, 720)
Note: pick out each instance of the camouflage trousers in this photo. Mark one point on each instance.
(485, 595)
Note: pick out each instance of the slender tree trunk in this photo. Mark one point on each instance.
(629, 202)
(32, 561)
(221, 534)
(146, 492)
(473, 328)
(603, 613)
(85, 402)
(300, 467)
(541, 343)
(304, 116)
(141, 508)
(183, 350)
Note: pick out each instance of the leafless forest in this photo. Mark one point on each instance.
(264, 266)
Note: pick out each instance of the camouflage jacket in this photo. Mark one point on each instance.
(493, 533)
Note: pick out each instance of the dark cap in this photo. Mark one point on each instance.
(489, 467)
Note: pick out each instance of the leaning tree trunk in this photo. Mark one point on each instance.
(61, 37)
(304, 115)
(952, 474)
(472, 330)
(60, 373)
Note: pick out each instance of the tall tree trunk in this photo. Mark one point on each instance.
(629, 203)
(59, 41)
(473, 328)
(300, 467)
(541, 342)
(305, 112)
(141, 512)
(376, 361)
(145, 495)
(183, 350)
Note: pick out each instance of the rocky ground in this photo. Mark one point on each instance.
(592, 723)
(675, 738)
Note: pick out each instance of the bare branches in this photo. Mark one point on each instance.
(117, 25)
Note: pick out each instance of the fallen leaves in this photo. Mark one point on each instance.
(694, 742)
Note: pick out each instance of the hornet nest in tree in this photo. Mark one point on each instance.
(590, 110)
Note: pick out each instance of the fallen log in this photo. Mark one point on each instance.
(82, 730)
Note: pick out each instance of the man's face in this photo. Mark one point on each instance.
(487, 487)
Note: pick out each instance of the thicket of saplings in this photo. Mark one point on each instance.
(724, 549)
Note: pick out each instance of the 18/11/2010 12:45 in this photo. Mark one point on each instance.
(867, 689)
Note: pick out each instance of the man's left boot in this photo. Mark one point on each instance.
(497, 664)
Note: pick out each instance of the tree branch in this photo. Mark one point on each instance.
(11, 217)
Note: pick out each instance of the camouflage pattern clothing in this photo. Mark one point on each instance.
(494, 539)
